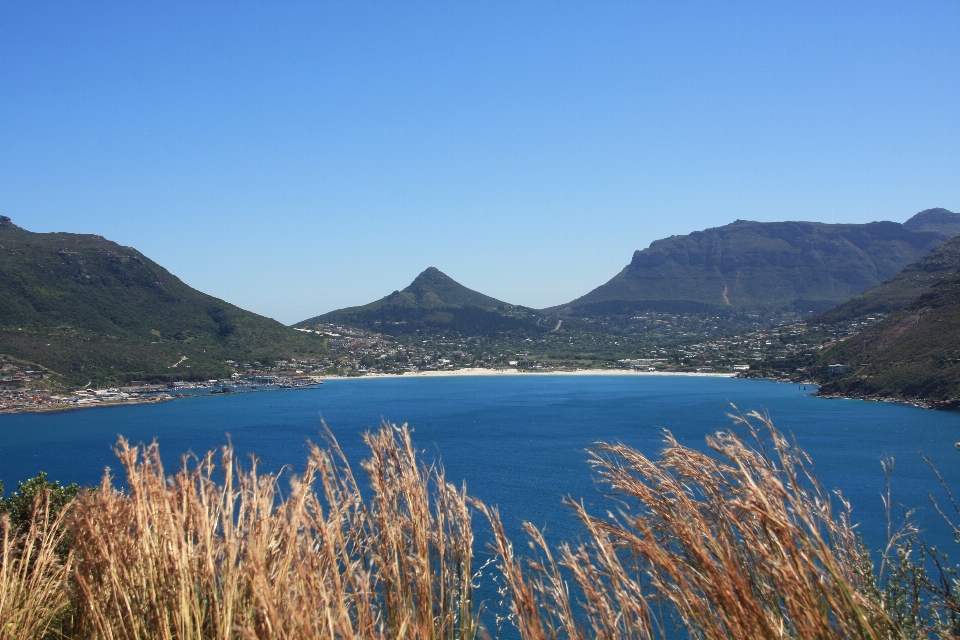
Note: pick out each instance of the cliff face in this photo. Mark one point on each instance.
(900, 289)
(745, 266)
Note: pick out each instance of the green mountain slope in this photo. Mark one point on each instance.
(434, 302)
(90, 309)
(896, 291)
(912, 355)
(764, 266)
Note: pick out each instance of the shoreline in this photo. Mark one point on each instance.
(56, 408)
(470, 371)
(480, 371)
(932, 405)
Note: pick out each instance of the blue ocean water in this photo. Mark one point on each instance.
(518, 441)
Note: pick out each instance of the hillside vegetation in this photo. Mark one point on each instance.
(87, 309)
(434, 302)
(896, 291)
(766, 266)
(914, 354)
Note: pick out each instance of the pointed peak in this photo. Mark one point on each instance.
(433, 277)
(431, 273)
(435, 288)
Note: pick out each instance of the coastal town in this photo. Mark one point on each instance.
(23, 389)
(781, 353)
(777, 352)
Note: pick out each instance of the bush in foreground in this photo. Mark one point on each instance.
(741, 543)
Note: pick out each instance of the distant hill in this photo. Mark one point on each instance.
(901, 288)
(434, 302)
(912, 355)
(92, 310)
(939, 220)
(763, 266)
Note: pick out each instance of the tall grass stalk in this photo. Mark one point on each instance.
(34, 578)
(739, 543)
(191, 557)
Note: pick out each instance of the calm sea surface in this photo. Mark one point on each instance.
(518, 441)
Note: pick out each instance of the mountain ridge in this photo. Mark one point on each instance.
(91, 309)
(752, 266)
(898, 290)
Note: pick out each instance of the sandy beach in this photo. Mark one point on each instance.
(477, 371)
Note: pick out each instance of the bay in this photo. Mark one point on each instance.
(519, 442)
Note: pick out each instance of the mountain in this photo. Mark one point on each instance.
(434, 302)
(764, 266)
(89, 309)
(913, 354)
(939, 220)
(896, 291)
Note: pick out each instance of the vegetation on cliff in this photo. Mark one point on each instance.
(914, 354)
(901, 288)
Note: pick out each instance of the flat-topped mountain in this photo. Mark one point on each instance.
(92, 310)
(913, 354)
(901, 288)
(433, 302)
(763, 266)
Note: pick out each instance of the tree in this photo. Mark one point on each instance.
(20, 504)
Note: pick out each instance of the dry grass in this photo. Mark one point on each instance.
(739, 542)
(743, 543)
(33, 577)
(190, 557)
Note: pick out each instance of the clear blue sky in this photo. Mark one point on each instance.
(293, 158)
